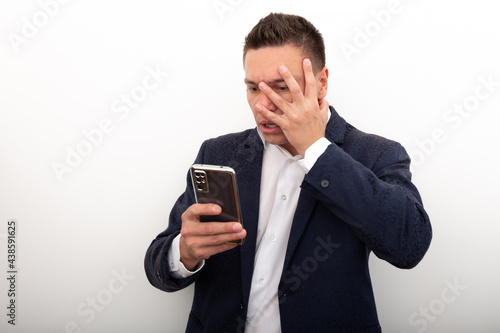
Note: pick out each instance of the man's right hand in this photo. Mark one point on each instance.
(200, 240)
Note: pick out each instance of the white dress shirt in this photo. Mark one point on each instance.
(282, 175)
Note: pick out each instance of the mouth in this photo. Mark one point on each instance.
(268, 127)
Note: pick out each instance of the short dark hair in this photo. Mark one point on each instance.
(279, 29)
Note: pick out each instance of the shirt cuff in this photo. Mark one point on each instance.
(176, 267)
(313, 153)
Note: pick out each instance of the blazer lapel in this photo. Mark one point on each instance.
(335, 131)
(248, 176)
(305, 207)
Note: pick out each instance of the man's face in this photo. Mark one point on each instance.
(262, 65)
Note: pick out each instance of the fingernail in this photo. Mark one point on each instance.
(258, 107)
(307, 62)
(282, 68)
(262, 86)
(237, 227)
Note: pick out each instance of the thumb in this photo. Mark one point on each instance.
(324, 106)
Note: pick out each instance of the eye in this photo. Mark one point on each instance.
(252, 89)
(285, 88)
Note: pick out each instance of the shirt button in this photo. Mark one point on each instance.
(273, 238)
(283, 197)
(248, 320)
(325, 183)
(172, 265)
(261, 281)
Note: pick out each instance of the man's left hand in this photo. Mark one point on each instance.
(304, 118)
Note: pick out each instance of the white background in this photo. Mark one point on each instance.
(75, 234)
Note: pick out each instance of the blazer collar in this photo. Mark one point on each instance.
(336, 127)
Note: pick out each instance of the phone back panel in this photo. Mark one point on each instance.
(216, 184)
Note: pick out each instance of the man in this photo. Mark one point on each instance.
(317, 197)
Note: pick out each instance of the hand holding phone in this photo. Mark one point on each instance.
(201, 240)
(202, 233)
(217, 184)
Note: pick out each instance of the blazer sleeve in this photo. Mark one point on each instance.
(156, 260)
(372, 192)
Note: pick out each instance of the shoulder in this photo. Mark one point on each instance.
(232, 137)
(228, 147)
(371, 149)
(351, 138)
(364, 147)
(357, 139)
(232, 140)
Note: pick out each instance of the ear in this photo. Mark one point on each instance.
(322, 83)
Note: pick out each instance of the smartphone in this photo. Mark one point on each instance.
(217, 184)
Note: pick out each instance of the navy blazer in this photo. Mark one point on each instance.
(357, 198)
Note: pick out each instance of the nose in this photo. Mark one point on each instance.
(266, 102)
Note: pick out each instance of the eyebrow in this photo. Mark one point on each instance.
(280, 80)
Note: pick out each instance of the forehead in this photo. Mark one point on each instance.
(262, 64)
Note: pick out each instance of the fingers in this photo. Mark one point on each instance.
(191, 224)
(324, 107)
(310, 87)
(214, 232)
(191, 256)
(203, 242)
(298, 95)
(291, 82)
(273, 96)
(200, 240)
(196, 210)
(270, 115)
(195, 247)
(293, 87)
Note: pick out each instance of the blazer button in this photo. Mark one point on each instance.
(325, 183)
